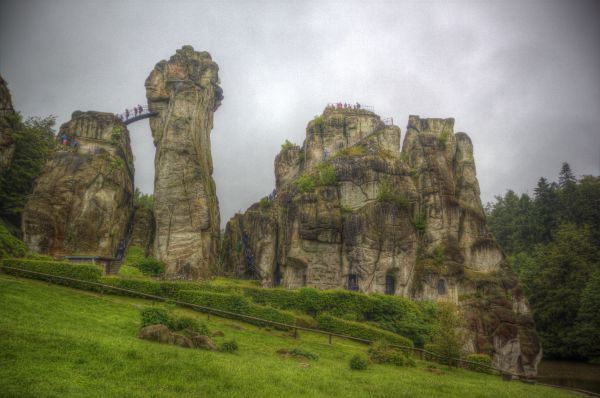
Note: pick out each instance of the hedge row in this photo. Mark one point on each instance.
(393, 313)
(86, 272)
(231, 302)
(359, 330)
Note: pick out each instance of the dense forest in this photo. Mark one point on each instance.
(34, 141)
(552, 240)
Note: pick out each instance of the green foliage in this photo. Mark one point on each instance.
(414, 174)
(300, 352)
(154, 316)
(151, 266)
(10, 246)
(116, 135)
(358, 362)
(359, 330)
(264, 203)
(351, 151)
(287, 145)
(130, 272)
(483, 361)
(318, 121)
(301, 156)
(115, 163)
(443, 139)
(85, 272)
(306, 183)
(85, 345)
(588, 319)
(420, 221)
(327, 174)
(34, 142)
(143, 200)
(229, 346)
(448, 337)
(146, 286)
(237, 304)
(381, 352)
(388, 193)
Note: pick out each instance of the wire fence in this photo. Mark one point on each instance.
(420, 352)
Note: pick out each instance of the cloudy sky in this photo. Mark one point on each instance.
(520, 77)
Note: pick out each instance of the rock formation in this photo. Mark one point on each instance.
(351, 210)
(185, 92)
(7, 144)
(82, 202)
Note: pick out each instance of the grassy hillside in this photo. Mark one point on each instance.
(60, 342)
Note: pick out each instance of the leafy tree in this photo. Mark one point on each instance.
(448, 336)
(588, 319)
(34, 142)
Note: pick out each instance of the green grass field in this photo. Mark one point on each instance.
(60, 342)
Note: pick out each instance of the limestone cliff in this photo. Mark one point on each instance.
(351, 210)
(82, 202)
(7, 144)
(185, 92)
(142, 234)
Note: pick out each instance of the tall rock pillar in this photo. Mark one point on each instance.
(185, 92)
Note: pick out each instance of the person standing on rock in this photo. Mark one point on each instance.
(135, 111)
(126, 114)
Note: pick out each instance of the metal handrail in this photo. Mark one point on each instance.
(210, 310)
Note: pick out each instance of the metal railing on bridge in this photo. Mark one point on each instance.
(135, 114)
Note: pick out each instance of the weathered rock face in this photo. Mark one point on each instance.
(379, 219)
(185, 92)
(7, 144)
(82, 202)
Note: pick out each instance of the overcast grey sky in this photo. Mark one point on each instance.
(520, 77)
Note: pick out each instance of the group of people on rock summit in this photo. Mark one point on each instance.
(344, 105)
(137, 110)
(69, 141)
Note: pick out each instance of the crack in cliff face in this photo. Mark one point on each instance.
(185, 92)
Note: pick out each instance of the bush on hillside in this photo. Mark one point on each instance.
(306, 183)
(85, 272)
(229, 346)
(483, 362)
(300, 352)
(11, 246)
(237, 304)
(151, 266)
(358, 362)
(359, 330)
(154, 316)
(381, 352)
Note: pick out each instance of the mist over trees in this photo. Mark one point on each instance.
(552, 240)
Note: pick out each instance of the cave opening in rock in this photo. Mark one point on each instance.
(277, 276)
(441, 287)
(390, 284)
(353, 282)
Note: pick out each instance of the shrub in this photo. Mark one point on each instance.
(351, 151)
(420, 221)
(229, 346)
(154, 316)
(327, 174)
(306, 183)
(287, 145)
(237, 304)
(177, 323)
(117, 133)
(299, 352)
(381, 352)
(85, 272)
(11, 246)
(448, 336)
(146, 286)
(443, 139)
(264, 203)
(483, 361)
(129, 271)
(358, 362)
(150, 266)
(359, 330)
(388, 193)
